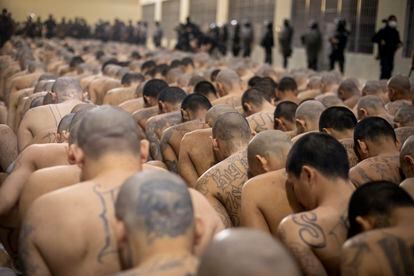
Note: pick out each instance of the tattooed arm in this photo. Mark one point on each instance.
(152, 129)
(168, 153)
(30, 256)
(356, 259)
(205, 186)
(300, 234)
(358, 175)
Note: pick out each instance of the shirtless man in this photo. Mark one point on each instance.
(404, 117)
(194, 160)
(287, 90)
(348, 92)
(169, 104)
(265, 200)
(284, 117)
(193, 110)
(229, 87)
(155, 226)
(372, 105)
(407, 165)
(253, 102)
(307, 116)
(339, 122)
(100, 86)
(245, 252)
(382, 212)
(377, 147)
(129, 82)
(399, 93)
(62, 134)
(222, 183)
(317, 168)
(68, 93)
(109, 152)
(206, 89)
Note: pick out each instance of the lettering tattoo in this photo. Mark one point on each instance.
(399, 254)
(261, 121)
(164, 218)
(107, 203)
(29, 267)
(310, 232)
(352, 261)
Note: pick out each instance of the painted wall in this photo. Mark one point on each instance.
(91, 10)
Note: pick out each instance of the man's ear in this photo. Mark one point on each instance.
(79, 155)
(365, 223)
(185, 115)
(363, 147)
(327, 131)
(161, 107)
(409, 160)
(215, 144)
(52, 95)
(247, 107)
(362, 113)
(199, 233)
(120, 232)
(300, 126)
(308, 174)
(263, 162)
(144, 150)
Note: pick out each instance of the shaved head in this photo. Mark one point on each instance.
(216, 111)
(407, 150)
(79, 112)
(65, 122)
(405, 116)
(106, 130)
(347, 89)
(67, 88)
(399, 88)
(372, 88)
(273, 146)
(231, 133)
(309, 112)
(156, 206)
(245, 252)
(227, 80)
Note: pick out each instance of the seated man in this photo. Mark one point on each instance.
(67, 93)
(62, 134)
(155, 226)
(407, 165)
(265, 200)
(404, 117)
(317, 168)
(194, 160)
(222, 183)
(371, 105)
(348, 92)
(287, 90)
(307, 116)
(206, 89)
(284, 117)
(399, 93)
(130, 83)
(339, 122)
(169, 104)
(100, 86)
(244, 252)
(193, 110)
(382, 212)
(377, 149)
(109, 152)
(253, 102)
(229, 87)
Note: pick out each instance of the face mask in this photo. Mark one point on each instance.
(392, 24)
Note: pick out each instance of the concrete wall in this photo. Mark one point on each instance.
(91, 10)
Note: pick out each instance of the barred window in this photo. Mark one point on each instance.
(170, 17)
(361, 16)
(257, 12)
(203, 12)
(148, 13)
(409, 30)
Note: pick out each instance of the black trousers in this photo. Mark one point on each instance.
(337, 58)
(387, 65)
(313, 63)
(268, 55)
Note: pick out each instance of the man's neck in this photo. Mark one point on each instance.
(402, 216)
(267, 107)
(383, 149)
(335, 193)
(349, 133)
(120, 165)
(289, 96)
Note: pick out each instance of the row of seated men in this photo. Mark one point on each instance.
(161, 163)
